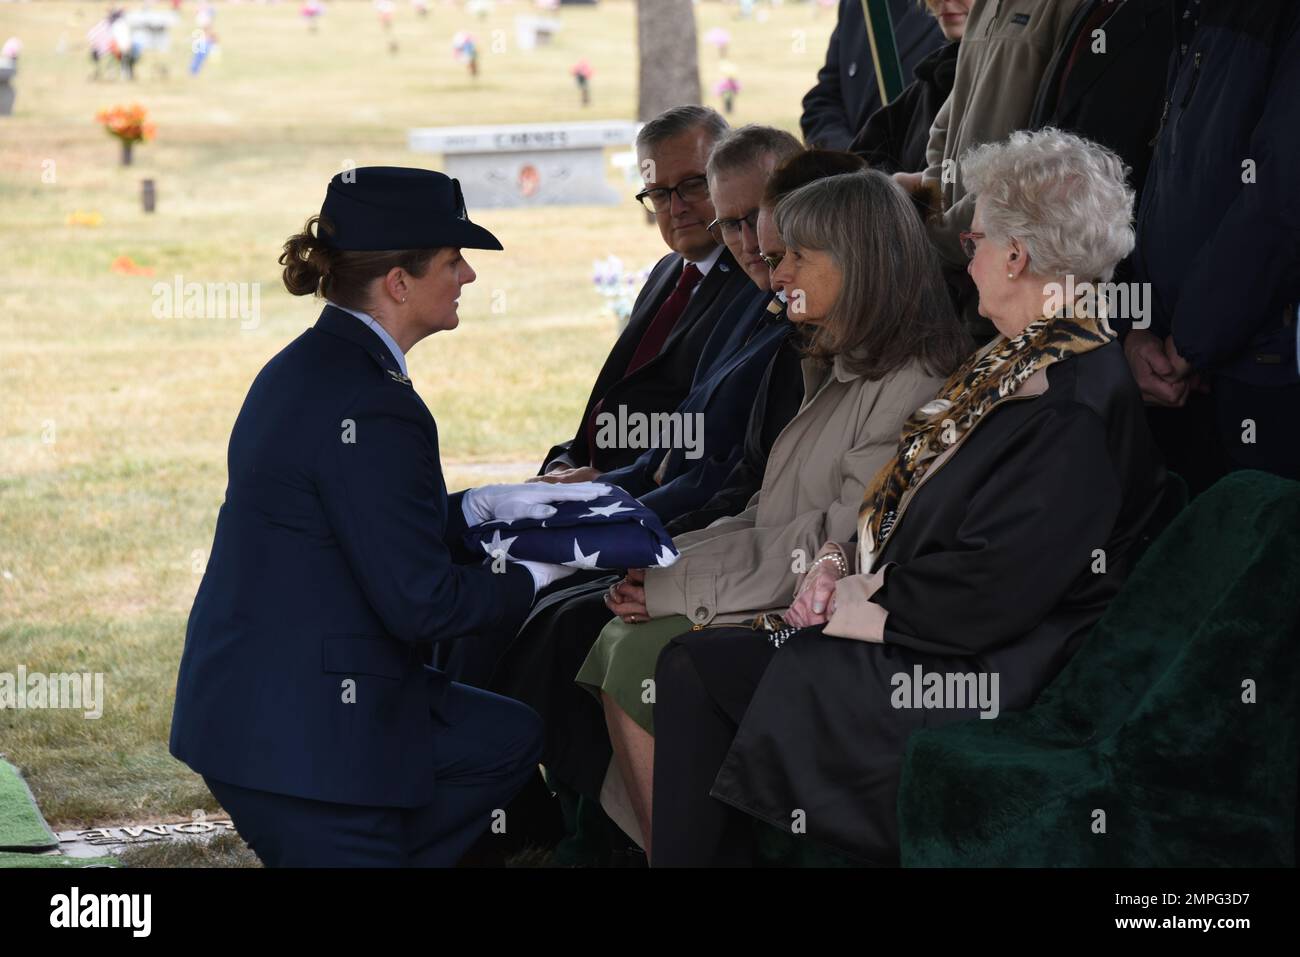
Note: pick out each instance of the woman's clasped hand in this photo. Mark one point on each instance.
(815, 601)
(626, 598)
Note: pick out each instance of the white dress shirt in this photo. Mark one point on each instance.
(704, 265)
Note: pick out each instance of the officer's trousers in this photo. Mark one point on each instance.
(486, 749)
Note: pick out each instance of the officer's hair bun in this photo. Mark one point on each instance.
(312, 267)
(307, 258)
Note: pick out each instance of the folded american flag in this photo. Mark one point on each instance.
(614, 531)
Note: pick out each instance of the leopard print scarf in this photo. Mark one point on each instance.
(985, 380)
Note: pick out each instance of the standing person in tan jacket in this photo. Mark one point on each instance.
(1005, 51)
(861, 276)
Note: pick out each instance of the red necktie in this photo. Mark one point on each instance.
(661, 326)
(656, 334)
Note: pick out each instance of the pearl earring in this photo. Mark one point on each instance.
(1010, 275)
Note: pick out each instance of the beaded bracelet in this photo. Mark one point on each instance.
(837, 558)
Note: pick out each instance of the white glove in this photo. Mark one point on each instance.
(544, 573)
(524, 500)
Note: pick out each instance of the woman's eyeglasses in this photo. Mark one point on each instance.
(723, 229)
(772, 261)
(658, 198)
(968, 243)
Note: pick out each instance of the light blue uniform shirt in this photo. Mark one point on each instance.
(380, 331)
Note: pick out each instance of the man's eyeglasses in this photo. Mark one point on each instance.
(691, 190)
(772, 261)
(724, 229)
(968, 243)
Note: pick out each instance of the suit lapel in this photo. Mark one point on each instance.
(658, 287)
(756, 343)
(720, 277)
(343, 325)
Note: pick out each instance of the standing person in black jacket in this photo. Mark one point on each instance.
(1106, 84)
(1219, 242)
(894, 138)
(846, 92)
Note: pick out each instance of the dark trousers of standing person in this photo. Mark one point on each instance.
(1188, 437)
(1259, 426)
(486, 747)
(1235, 426)
(692, 738)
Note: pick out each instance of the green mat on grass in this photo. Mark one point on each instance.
(21, 826)
(23, 830)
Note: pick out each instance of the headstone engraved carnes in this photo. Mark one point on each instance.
(529, 164)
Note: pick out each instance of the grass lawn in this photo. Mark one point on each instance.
(114, 423)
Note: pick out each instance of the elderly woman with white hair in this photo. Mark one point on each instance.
(987, 548)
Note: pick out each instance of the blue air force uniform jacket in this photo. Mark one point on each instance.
(335, 558)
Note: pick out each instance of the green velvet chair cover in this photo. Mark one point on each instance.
(1169, 740)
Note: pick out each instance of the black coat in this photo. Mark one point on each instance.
(993, 571)
(894, 138)
(846, 93)
(662, 383)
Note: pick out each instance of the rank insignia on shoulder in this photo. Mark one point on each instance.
(398, 377)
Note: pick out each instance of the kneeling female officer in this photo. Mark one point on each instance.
(305, 697)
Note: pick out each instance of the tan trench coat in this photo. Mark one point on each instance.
(816, 475)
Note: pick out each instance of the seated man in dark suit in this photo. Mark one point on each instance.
(650, 368)
(711, 420)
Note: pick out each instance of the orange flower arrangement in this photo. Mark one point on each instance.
(128, 123)
(129, 267)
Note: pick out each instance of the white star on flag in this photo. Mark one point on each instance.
(498, 544)
(613, 508)
(582, 561)
(666, 557)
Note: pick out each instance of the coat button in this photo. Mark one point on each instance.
(701, 613)
(853, 68)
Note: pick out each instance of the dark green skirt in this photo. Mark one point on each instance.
(622, 663)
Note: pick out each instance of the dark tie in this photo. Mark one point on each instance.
(661, 326)
(656, 334)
